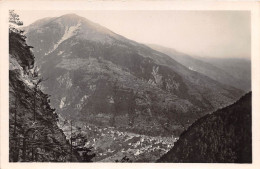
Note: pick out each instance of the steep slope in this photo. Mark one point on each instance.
(224, 136)
(33, 131)
(233, 72)
(98, 76)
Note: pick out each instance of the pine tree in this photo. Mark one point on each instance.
(14, 21)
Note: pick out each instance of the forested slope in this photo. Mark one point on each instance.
(224, 136)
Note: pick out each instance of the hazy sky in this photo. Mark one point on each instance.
(200, 33)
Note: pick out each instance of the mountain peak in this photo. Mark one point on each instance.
(70, 19)
(71, 16)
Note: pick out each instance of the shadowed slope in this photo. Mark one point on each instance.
(224, 136)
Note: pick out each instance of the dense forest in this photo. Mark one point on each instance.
(224, 136)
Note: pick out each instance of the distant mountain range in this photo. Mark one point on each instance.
(239, 68)
(100, 77)
(224, 136)
(230, 71)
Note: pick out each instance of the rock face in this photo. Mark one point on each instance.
(224, 136)
(33, 131)
(234, 72)
(100, 77)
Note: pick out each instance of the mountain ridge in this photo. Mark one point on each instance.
(86, 69)
(211, 67)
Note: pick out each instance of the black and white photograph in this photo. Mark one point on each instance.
(129, 86)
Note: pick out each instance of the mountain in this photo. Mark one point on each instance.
(237, 67)
(101, 78)
(224, 136)
(230, 71)
(33, 131)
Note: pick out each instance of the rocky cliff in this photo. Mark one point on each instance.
(33, 131)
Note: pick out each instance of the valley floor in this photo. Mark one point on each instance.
(109, 144)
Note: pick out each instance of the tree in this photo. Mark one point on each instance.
(36, 81)
(14, 21)
(132, 105)
(116, 99)
(18, 48)
(15, 143)
(14, 18)
(77, 143)
(80, 140)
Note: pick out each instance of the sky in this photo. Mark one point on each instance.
(222, 34)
